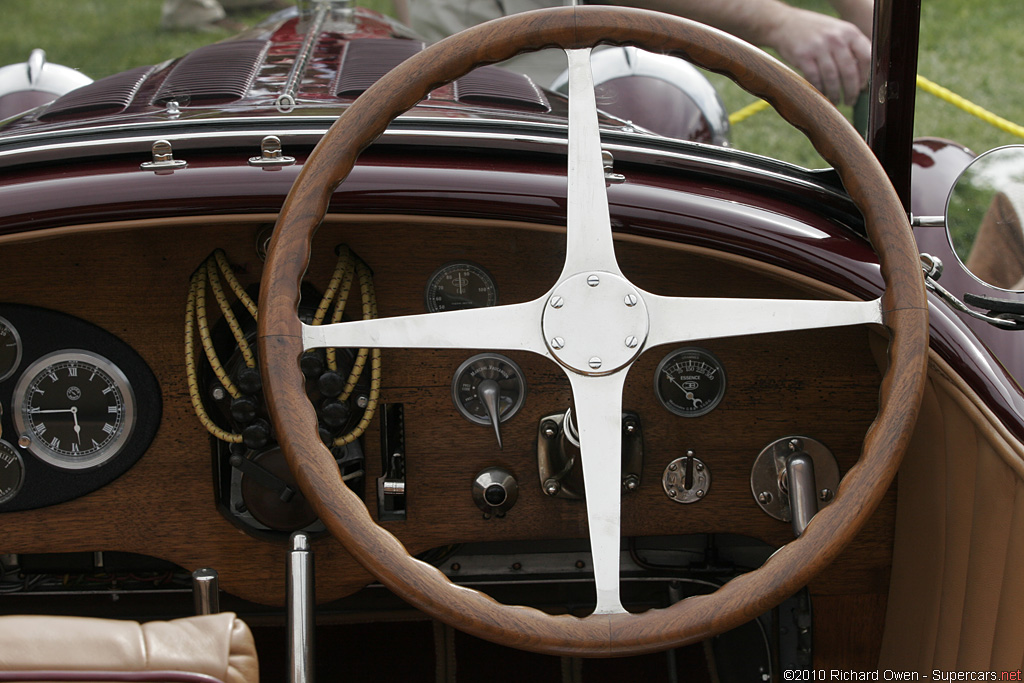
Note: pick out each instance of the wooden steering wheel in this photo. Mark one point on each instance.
(601, 311)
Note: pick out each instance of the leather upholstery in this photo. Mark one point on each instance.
(216, 647)
(956, 599)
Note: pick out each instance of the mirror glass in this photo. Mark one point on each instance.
(984, 217)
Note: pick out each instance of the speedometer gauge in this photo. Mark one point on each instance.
(460, 284)
(74, 409)
(690, 381)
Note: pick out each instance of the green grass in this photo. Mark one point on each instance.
(970, 47)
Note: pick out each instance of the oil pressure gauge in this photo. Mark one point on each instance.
(488, 389)
(690, 381)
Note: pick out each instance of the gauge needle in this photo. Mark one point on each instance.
(490, 395)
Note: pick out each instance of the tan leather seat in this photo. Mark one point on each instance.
(203, 649)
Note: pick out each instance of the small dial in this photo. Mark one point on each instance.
(690, 382)
(74, 409)
(488, 389)
(460, 285)
(10, 349)
(12, 472)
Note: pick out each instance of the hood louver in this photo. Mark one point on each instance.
(364, 62)
(494, 85)
(110, 95)
(214, 74)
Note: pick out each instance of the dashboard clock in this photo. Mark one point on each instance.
(74, 409)
(12, 472)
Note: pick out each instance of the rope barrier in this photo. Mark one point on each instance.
(929, 87)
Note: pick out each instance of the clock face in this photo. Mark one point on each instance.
(74, 409)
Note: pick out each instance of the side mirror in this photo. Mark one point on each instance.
(985, 217)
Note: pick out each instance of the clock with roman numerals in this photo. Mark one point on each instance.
(74, 409)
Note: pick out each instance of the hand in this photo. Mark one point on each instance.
(834, 55)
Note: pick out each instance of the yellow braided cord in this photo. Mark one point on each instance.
(234, 284)
(229, 315)
(204, 336)
(190, 367)
(332, 287)
(747, 111)
(349, 267)
(369, 312)
(969, 107)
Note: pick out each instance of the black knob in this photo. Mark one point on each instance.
(312, 364)
(256, 435)
(249, 380)
(243, 410)
(495, 495)
(331, 384)
(334, 414)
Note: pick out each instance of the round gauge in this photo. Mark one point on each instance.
(488, 385)
(12, 472)
(690, 382)
(460, 284)
(10, 349)
(74, 409)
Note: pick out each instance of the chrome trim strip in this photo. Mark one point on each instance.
(487, 134)
(285, 101)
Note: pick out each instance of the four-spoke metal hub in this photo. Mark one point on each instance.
(595, 323)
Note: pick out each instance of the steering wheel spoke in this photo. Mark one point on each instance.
(686, 319)
(512, 328)
(589, 232)
(598, 413)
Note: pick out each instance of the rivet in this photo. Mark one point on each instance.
(595, 363)
(593, 281)
(557, 302)
(700, 493)
(557, 343)
(826, 495)
(764, 498)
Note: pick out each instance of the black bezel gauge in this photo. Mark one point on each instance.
(458, 285)
(74, 409)
(12, 472)
(690, 381)
(10, 349)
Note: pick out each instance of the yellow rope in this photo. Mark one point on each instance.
(924, 84)
(190, 367)
(347, 269)
(969, 107)
(747, 111)
(204, 336)
(233, 282)
(229, 315)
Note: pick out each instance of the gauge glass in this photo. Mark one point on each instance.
(12, 472)
(10, 349)
(74, 409)
(459, 285)
(478, 369)
(690, 382)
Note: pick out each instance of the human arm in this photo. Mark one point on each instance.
(833, 54)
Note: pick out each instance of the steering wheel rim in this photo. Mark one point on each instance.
(903, 310)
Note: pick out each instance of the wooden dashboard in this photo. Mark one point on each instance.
(132, 280)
